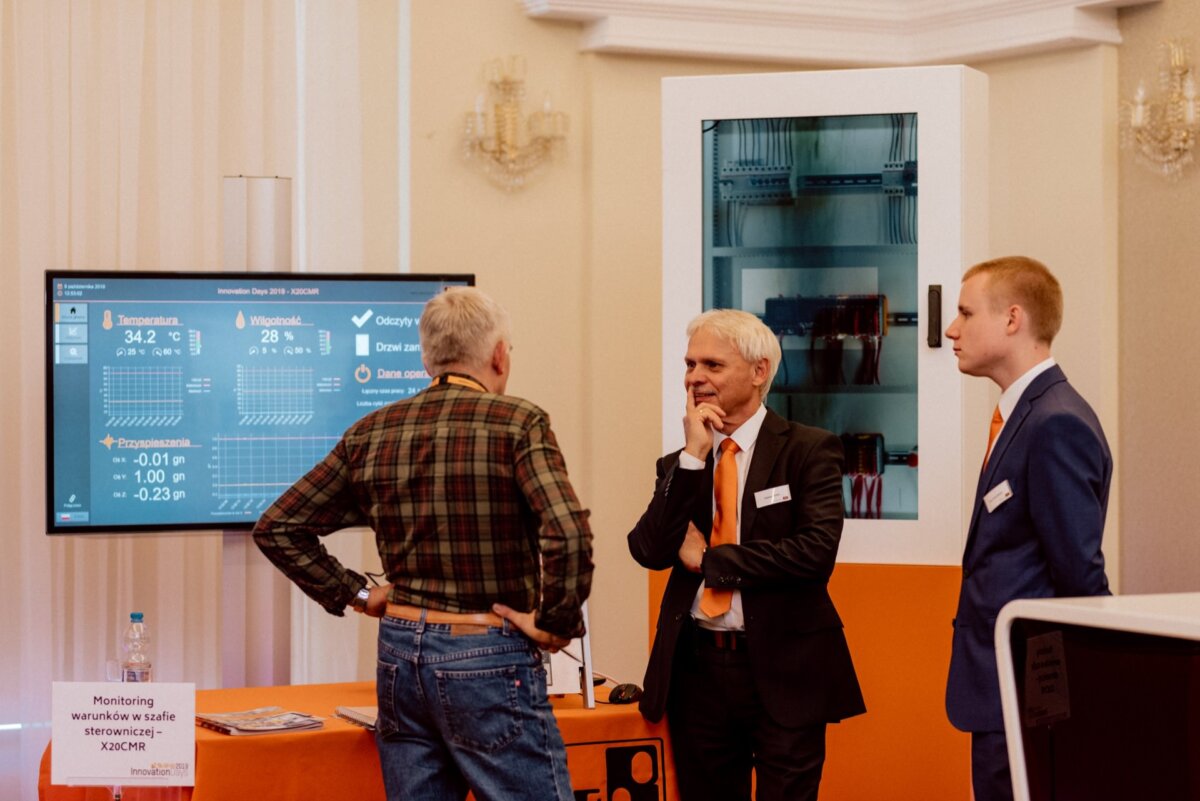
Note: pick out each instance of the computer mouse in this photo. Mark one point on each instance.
(624, 694)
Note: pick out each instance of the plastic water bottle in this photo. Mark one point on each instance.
(135, 664)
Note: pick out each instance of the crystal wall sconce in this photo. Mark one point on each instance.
(1162, 130)
(509, 148)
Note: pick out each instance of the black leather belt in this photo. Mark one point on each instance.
(721, 640)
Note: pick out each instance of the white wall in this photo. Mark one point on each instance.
(1159, 282)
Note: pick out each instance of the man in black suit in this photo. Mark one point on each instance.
(749, 662)
(1042, 495)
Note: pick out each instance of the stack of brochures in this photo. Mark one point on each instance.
(264, 720)
(358, 715)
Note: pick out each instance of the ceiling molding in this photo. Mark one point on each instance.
(837, 32)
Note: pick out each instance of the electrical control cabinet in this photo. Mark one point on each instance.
(840, 208)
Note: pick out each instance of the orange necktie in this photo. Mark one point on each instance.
(724, 530)
(997, 422)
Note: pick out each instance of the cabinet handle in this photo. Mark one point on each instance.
(934, 337)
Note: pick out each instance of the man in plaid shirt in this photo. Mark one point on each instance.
(488, 557)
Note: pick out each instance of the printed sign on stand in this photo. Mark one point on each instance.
(1047, 693)
(135, 735)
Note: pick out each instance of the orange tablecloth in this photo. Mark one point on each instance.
(607, 747)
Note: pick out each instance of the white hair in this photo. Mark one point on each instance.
(461, 326)
(748, 334)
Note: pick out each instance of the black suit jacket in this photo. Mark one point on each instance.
(798, 653)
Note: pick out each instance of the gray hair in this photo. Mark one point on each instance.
(748, 334)
(461, 326)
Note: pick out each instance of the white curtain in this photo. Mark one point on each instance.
(118, 119)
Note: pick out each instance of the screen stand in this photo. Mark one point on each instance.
(255, 616)
(569, 670)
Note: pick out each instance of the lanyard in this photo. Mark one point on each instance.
(459, 380)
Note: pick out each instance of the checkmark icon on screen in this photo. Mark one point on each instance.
(361, 319)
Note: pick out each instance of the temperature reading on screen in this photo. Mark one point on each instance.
(132, 335)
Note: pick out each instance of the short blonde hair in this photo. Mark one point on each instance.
(461, 326)
(748, 334)
(1024, 282)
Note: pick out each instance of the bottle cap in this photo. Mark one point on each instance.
(135, 617)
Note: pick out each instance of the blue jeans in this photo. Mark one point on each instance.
(465, 707)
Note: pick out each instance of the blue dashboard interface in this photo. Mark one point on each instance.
(192, 400)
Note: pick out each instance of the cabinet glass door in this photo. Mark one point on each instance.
(811, 224)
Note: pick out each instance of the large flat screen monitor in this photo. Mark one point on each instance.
(179, 401)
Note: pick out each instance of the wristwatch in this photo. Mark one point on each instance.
(359, 602)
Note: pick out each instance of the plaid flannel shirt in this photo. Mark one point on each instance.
(468, 496)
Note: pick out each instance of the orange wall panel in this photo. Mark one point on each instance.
(897, 621)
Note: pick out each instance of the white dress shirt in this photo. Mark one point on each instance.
(1011, 396)
(745, 437)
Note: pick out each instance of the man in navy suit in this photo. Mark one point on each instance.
(749, 661)
(1042, 496)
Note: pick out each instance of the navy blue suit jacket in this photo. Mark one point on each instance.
(798, 653)
(1042, 542)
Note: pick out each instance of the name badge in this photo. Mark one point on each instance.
(997, 495)
(773, 495)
